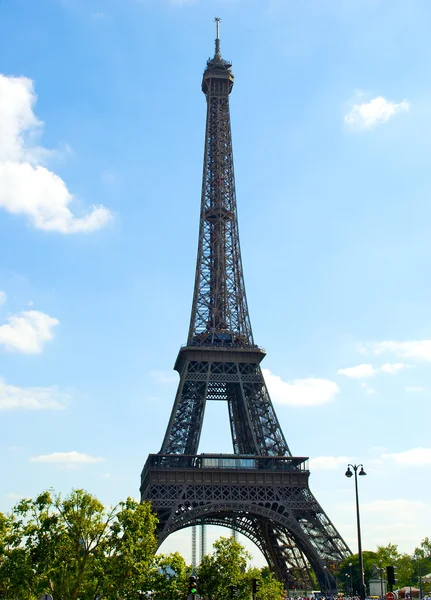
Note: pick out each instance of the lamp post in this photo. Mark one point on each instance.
(420, 580)
(417, 559)
(358, 523)
(351, 579)
(347, 583)
(325, 570)
(381, 578)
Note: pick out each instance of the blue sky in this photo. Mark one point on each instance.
(101, 142)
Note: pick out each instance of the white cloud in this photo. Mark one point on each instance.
(394, 367)
(31, 398)
(3, 298)
(367, 370)
(358, 372)
(376, 111)
(418, 349)
(66, 458)
(27, 331)
(411, 458)
(326, 463)
(26, 186)
(15, 497)
(413, 388)
(300, 392)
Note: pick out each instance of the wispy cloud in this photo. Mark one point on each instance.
(375, 112)
(67, 458)
(416, 349)
(27, 187)
(15, 497)
(27, 332)
(31, 398)
(3, 298)
(367, 370)
(300, 392)
(358, 372)
(415, 457)
(413, 388)
(326, 463)
(370, 390)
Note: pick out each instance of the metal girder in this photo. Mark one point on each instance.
(254, 425)
(219, 311)
(273, 507)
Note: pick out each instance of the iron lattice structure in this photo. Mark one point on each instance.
(261, 490)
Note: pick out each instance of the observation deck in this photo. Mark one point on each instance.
(224, 469)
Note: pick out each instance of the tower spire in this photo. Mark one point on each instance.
(217, 40)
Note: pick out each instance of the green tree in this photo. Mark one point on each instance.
(348, 576)
(388, 555)
(76, 548)
(171, 577)
(403, 563)
(422, 562)
(128, 562)
(16, 572)
(226, 566)
(269, 587)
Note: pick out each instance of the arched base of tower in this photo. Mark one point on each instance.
(268, 502)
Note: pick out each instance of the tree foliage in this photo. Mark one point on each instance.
(171, 577)
(224, 567)
(227, 566)
(409, 568)
(76, 548)
(347, 572)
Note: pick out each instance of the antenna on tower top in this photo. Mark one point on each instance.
(217, 42)
(217, 21)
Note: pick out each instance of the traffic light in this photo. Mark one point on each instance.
(256, 587)
(193, 585)
(233, 591)
(391, 574)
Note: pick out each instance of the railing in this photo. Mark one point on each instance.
(223, 344)
(227, 461)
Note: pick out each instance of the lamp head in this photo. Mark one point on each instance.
(348, 473)
(362, 472)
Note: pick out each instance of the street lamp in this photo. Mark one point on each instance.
(417, 559)
(325, 570)
(358, 523)
(351, 579)
(381, 579)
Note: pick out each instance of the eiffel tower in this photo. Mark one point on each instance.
(260, 490)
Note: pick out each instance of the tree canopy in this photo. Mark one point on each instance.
(409, 568)
(76, 548)
(226, 566)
